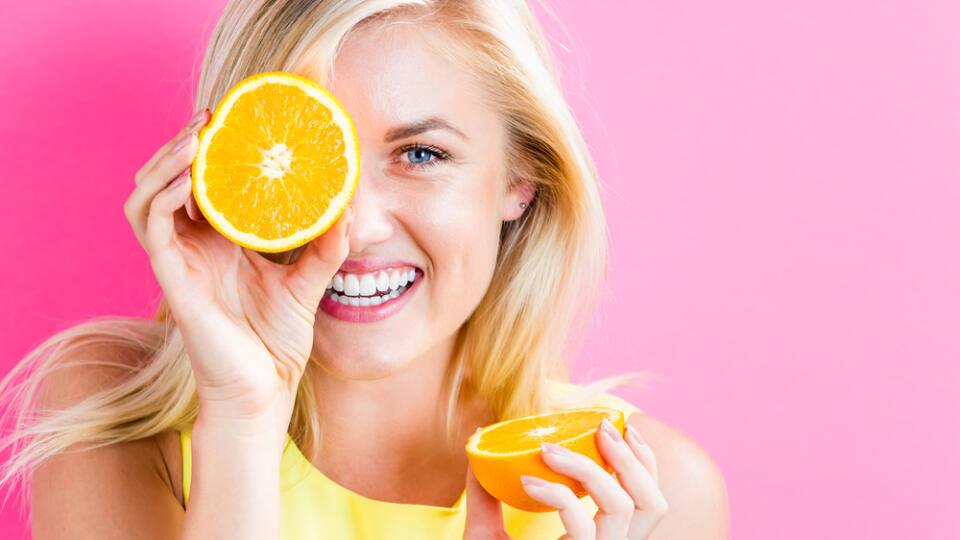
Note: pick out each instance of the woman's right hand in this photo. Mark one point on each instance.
(247, 323)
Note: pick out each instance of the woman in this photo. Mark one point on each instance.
(256, 406)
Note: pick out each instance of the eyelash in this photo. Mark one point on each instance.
(438, 154)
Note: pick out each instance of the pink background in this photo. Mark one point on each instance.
(782, 190)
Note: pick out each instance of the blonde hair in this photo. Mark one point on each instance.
(551, 264)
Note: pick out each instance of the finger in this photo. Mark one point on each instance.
(615, 505)
(323, 256)
(484, 512)
(161, 237)
(196, 122)
(633, 476)
(643, 452)
(575, 519)
(137, 206)
(193, 210)
(654, 505)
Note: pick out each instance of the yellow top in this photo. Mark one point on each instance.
(314, 506)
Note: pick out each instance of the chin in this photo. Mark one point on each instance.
(362, 361)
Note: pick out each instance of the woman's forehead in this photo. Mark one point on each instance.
(397, 75)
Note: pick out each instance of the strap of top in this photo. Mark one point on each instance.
(186, 460)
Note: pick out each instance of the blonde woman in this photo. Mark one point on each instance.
(256, 405)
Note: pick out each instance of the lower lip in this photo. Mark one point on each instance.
(367, 314)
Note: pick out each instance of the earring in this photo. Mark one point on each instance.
(523, 205)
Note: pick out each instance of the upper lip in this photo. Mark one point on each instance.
(372, 264)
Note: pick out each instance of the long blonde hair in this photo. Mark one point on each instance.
(550, 269)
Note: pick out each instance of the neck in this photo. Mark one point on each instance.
(383, 438)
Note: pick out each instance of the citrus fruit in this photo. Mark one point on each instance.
(500, 453)
(277, 163)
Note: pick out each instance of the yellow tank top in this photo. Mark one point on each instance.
(313, 506)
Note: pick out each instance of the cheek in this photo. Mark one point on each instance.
(460, 235)
(463, 248)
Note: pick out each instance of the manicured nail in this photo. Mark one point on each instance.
(183, 141)
(635, 435)
(607, 427)
(180, 179)
(197, 119)
(533, 481)
(554, 449)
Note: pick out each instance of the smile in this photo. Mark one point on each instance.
(369, 297)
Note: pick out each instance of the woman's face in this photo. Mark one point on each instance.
(431, 198)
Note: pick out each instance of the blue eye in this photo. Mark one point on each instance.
(419, 156)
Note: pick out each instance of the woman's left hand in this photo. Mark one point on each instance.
(630, 504)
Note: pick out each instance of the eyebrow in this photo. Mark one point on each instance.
(420, 126)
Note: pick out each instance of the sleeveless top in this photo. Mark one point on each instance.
(313, 506)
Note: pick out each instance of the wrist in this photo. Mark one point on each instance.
(222, 423)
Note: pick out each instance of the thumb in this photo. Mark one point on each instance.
(484, 512)
(309, 275)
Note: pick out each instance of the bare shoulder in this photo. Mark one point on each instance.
(690, 481)
(122, 490)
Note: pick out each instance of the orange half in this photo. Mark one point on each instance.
(277, 163)
(500, 453)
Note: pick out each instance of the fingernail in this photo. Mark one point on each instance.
(532, 481)
(195, 122)
(554, 449)
(607, 427)
(180, 179)
(635, 435)
(182, 141)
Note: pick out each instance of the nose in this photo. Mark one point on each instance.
(371, 220)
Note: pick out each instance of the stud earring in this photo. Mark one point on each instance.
(523, 205)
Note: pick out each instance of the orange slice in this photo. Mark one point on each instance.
(500, 453)
(277, 163)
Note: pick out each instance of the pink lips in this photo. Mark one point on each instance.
(368, 314)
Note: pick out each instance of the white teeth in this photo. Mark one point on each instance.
(351, 285)
(368, 285)
(394, 279)
(359, 290)
(383, 281)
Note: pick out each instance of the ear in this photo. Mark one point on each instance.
(521, 190)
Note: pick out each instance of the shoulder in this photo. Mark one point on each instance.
(92, 368)
(690, 481)
(83, 371)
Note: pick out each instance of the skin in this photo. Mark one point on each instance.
(445, 219)
(443, 216)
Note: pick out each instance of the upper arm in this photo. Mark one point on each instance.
(117, 491)
(690, 482)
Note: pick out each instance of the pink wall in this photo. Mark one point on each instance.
(782, 189)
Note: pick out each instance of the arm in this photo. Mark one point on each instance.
(235, 482)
